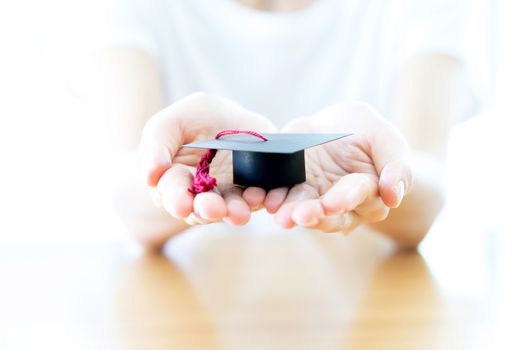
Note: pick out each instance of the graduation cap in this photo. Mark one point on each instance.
(261, 160)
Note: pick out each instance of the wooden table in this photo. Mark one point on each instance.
(230, 290)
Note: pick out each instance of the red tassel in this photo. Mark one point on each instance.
(203, 182)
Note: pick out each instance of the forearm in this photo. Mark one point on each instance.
(408, 224)
(150, 225)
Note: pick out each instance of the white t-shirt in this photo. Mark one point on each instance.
(285, 65)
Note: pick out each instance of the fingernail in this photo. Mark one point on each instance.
(399, 189)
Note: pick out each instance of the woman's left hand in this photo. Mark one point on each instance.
(352, 181)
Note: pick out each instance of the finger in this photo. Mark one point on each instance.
(210, 206)
(340, 223)
(238, 211)
(173, 191)
(308, 213)
(350, 223)
(394, 182)
(298, 193)
(254, 197)
(372, 210)
(390, 153)
(274, 199)
(348, 193)
(193, 219)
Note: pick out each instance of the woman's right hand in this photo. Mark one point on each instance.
(169, 169)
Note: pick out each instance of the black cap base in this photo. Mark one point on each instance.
(268, 170)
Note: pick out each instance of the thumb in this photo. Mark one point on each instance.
(390, 153)
(161, 139)
(395, 181)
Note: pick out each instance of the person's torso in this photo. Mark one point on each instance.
(282, 65)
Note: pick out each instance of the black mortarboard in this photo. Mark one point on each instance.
(277, 162)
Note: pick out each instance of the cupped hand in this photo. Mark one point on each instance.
(351, 181)
(169, 169)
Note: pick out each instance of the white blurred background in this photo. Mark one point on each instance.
(55, 172)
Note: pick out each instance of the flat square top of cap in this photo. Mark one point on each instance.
(277, 143)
